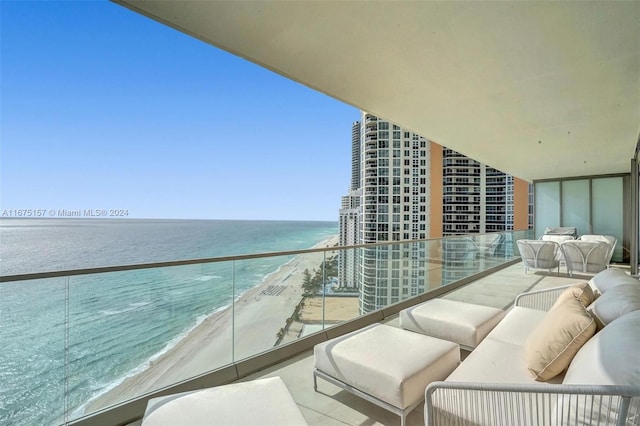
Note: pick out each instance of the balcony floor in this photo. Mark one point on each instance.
(334, 406)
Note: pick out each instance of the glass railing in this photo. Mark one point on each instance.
(103, 336)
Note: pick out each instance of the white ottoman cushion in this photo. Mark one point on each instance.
(459, 322)
(391, 364)
(264, 401)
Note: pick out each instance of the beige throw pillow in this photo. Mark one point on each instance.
(552, 345)
(581, 291)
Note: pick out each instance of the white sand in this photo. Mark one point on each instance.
(259, 314)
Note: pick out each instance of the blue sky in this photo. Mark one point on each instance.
(102, 108)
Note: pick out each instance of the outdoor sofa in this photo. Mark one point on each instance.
(556, 358)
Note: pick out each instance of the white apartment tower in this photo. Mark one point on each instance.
(350, 218)
(394, 180)
(477, 198)
(349, 232)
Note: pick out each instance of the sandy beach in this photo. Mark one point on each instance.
(259, 314)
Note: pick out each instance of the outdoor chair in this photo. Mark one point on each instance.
(558, 238)
(539, 254)
(585, 256)
(562, 230)
(611, 241)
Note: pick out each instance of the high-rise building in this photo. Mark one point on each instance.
(410, 188)
(479, 199)
(350, 218)
(394, 184)
(355, 155)
(349, 232)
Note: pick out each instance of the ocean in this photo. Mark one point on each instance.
(115, 324)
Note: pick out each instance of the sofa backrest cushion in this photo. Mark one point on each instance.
(610, 357)
(610, 278)
(580, 291)
(552, 345)
(616, 302)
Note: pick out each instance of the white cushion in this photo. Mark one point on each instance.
(494, 361)
(266, 401)
(611, 356)
(557, 238)
(616, 302)
(610, 278)
(517, 325)
(459, 322)
(392, 364)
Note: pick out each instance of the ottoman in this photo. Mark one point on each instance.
(385, 365)
(463, 323)
(264, 401)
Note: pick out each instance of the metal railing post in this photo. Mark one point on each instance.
(233, 311)
(635, 215)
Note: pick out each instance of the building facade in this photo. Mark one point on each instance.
(406, 188)
(395, 206)
(348, 277)
(476, 198)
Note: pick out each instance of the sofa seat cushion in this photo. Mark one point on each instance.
(494, 361)
(517, 325)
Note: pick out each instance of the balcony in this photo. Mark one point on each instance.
(594, 125)
(263, 325)
(332, 405)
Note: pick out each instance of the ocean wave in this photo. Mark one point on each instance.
(104, 389)
(122, 311)
(132, 307)
(208, 278)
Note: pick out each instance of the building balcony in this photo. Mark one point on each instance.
(245, 350)
(333, 404)
(272, 313)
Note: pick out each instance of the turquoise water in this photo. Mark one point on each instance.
(114, 324)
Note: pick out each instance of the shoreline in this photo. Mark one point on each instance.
(259, 313)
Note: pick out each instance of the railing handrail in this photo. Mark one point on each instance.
(137, 266)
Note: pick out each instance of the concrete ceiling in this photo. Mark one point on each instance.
(536, 89)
